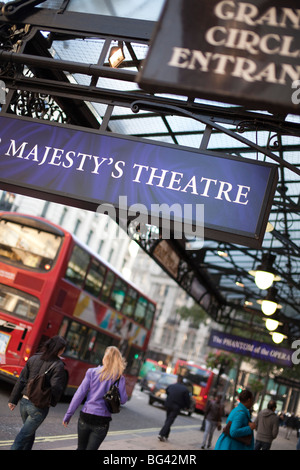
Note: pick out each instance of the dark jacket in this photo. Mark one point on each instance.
(213, 411)
(178, 397)
(55, 378)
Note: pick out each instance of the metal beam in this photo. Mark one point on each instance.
(85, 24)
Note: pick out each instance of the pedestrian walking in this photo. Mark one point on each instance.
(291, 424)
(33, 416)
(94, 419)
(238, 432)
(177, 398)
(267, 427)
(213, 417)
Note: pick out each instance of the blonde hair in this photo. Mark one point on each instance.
(113, 364)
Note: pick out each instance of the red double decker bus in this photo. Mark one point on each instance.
(51, 284)
(206, 383)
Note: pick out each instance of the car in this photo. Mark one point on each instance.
(148, 382)
(159, 395)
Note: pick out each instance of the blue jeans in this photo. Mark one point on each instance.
(90, 436)
(32, 418)
(260, 445)
(210, 427)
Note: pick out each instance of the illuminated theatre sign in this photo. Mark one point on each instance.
(252, 348)
(87, 169)
(244, 52)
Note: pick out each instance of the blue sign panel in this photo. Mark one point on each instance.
(85, 169)
(251, 348)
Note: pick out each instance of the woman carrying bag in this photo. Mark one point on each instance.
(93, 423)
(46, 362)
(238, 432)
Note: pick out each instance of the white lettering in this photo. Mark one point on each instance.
(241, 194)
(174, 180)
(140, 169)
(12, 148)
(249, 14)
(119, 170)
(224, 191)
(159, 177)
(179, 54)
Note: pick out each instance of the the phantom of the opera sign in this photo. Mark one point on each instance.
(244, 52)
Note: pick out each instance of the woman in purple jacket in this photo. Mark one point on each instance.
(93, 423)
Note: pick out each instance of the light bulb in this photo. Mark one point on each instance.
(277, 337)
(268, 307)
(271, 325)
(263, 279)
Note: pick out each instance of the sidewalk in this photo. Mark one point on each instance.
(181, 438)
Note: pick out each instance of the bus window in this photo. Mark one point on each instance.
(84, 343)
(18, 303)
(134, 360)
(94, 278)
(140, 311)
(77, 266)
(194, 374)
(78, 338)
(129, 302)
(149, 315)
(109, 280)
(118, 294)
(28, 246)
(101, 343)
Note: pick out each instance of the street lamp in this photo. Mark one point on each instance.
(265, 275)
(269, 304)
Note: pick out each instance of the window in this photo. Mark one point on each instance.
(77, 225)
(18, 303)
(77, 266)
(109, 280)
(84, 343)
(150, 315)
(134, 361)
(101, 343)
(28, 246)
(130, 301)
(140, 311)
(95, 277)
(195, 375)
(118, 294)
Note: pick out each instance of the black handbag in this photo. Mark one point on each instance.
(112, 398)
(37, 391)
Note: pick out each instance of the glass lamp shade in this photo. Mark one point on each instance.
(116, 56)
(268, 307)
(263, 279)
(277, 337)
(271, 325)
